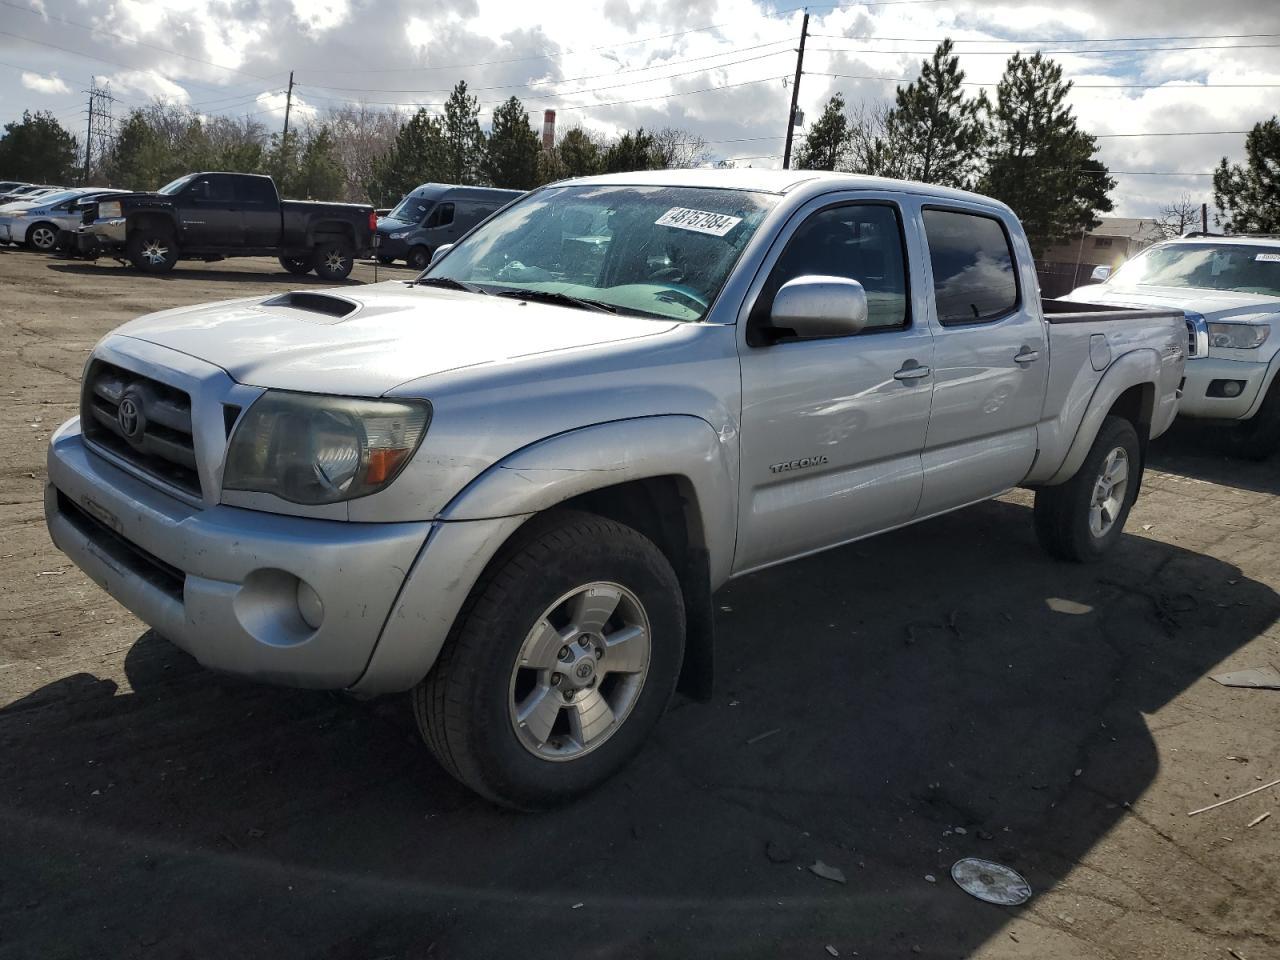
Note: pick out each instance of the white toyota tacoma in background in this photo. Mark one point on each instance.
(1229, 290)
(512, 484)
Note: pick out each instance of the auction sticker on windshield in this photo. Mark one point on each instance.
(1268, 257)
(699, 221)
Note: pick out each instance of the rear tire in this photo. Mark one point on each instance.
(333, 259)
(1258, 437)
(386, 261)
(418, 258)
(526, 721)
(42, 237)
(1083, 518)
(297, 265)
(152, 250)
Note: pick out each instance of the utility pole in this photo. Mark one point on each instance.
(88, 134)
(288, 105)
(99, 134)
(795, 93)
(1204, 218)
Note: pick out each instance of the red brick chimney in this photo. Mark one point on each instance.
(548, 130)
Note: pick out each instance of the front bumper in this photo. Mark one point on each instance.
(396, 249)
(222, 582)
(1201, 372)
(109, 233)
(11, 231)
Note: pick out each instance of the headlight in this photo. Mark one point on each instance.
(399, 236)
(109, 209)
(18, 214)
(1238, 336)
(312, 449)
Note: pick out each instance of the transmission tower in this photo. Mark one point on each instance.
(101, 128)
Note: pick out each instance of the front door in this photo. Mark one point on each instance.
(832, 429)
(259, 212)
(991, 361)
(209, 213)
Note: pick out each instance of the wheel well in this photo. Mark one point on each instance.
(665, 510)
(150, 221)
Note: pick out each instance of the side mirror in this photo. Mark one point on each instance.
(811, 307)
(440, 251)
(1100, 274)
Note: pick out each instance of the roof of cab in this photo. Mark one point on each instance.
(440, 189)
(780, 182)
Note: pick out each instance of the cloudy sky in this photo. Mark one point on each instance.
(1157, 82)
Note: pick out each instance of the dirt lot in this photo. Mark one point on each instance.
(946, 676)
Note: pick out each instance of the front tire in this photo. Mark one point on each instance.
(386, 261)
(152, 250)
(1258, 437)
(42, 237)
(333, 259)
(298, 266)
(560, 664)
(1083, 518)
(418, 258)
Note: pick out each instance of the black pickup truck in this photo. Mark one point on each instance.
(211, 216)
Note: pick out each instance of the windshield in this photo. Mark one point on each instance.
(57, 197)
(1237, 268)
(411, 209)
(648, 250)
(169, 189)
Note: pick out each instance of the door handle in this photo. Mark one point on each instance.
(1027, 355)
(912, 371)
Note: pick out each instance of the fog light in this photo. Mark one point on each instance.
(1231, 388)
(310, 606)
(1225, 388)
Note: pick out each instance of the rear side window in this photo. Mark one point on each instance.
(973, 267)
(441, 216)
(255, 190)
(860, 241)
(213, 189)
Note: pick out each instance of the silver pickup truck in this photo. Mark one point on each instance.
(511, 485)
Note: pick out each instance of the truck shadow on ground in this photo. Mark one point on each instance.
(870, 700)
(1202, 450)
(196, 272)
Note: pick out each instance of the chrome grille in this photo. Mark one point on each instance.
(153, 431)
(1197, 335)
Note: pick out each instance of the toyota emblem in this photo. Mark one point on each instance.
(129, 417)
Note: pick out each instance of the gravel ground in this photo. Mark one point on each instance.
(943, 691)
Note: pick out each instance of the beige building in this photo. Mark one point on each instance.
(1111, 243)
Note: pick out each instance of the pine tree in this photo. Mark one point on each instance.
(579, 154)
(511, 152)
(632, 151)
(139, 156)
(1039, 161)
(933, 133)
(1248, 197)
(827, 142)
(37, 148)
(463, 139)
(416, 156)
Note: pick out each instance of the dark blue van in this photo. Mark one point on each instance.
(432, 215)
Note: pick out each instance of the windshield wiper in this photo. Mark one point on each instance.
(564, 299)
(450, 284)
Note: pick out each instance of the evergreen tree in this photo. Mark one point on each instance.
(38, 149)
(308, 169)
(1248, 197)
(463, 139)
(579, 154)
(1039, 161)
(139, 156)
(632, 151)
(933, 133)
(511, 153)
(416, 156)
(827, 141)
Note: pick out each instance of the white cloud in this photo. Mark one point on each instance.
(148, 84)
(49, 85)
(321, 15)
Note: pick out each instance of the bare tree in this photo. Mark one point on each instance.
(1178, 217)
(679, 149)
(361, 135)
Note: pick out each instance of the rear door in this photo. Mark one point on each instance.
(259, 212)
(832, 429)
(209, 212)
(438, 227)
(991, 360)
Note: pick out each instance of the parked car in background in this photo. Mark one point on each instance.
(37, 222)
(1229, 290)
(28, 192)
(9, 185)
(72, 225)
(212, 216)
(512, 484)
(433, 215)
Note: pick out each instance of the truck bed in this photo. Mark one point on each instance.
(1063, 311)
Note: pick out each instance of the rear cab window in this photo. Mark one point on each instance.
(974, 276)
(255, 190)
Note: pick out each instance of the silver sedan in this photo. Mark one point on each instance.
(37, 222)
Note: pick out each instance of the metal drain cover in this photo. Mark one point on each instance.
(992, 882)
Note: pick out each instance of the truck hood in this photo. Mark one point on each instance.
(1210, 304)
(392, 333)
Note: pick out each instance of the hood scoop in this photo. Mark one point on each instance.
(325, 305)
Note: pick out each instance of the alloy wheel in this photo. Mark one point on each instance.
(1109, 492)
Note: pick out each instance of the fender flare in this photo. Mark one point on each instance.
(1273, 369)
(134, 220)
(486, 513)
(1134, 369)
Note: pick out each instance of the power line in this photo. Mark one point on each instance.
(1074, 85)
(1097, 52)
(1194, 36)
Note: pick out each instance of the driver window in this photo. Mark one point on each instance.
(860, 242)
(211, 190)
(441, 216)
